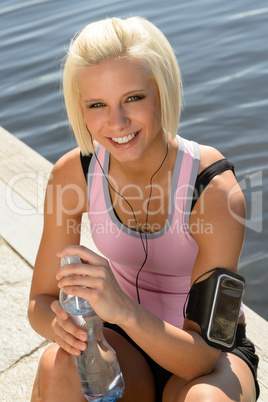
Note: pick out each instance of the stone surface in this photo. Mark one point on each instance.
(20, 346)
(16, 382)
(257, 328)
(18, 340)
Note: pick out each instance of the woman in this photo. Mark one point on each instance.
(157, 229)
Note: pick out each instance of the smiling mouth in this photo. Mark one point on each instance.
(126, 139)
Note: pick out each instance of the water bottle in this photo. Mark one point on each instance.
(99, 371)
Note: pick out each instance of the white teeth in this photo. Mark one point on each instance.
(124, 140)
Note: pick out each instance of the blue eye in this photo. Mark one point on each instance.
(134, 98)
(96, 105)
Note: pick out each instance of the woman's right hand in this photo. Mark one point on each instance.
(67, 335)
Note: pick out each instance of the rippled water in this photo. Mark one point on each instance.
(222, 50)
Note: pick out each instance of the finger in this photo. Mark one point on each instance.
(83, 252)
(91, 295)
(72, 339)
(66, 328)
(76, 351)
(88, 281)
(67, 324)
(97, 271)
(58, 310)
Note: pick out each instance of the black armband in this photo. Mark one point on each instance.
(214, 304)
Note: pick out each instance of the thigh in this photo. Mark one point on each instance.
(231, 380)
(57, 378)
(159, 374)
(139, 381)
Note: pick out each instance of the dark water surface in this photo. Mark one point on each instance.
(222, 49)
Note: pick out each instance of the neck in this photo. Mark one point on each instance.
(143, 168)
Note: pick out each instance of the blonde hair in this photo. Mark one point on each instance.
(113, 38)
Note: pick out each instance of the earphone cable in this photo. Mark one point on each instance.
(110, 185)
(146, 222)
(144, 244)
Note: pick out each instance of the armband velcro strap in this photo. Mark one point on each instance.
(214, 304)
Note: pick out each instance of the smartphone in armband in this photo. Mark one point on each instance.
(214, 304)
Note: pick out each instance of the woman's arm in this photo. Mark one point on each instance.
(183, 352)
(65, 202)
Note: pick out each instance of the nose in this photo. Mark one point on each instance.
(118, 118)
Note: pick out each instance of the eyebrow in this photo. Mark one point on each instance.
(126, 94)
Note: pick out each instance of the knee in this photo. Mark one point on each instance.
(53, 360)
(199, 392)
(48, 358)
(56, 377)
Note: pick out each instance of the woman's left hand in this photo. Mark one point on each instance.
(95, 282)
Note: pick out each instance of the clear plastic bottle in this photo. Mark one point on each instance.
(99, 371)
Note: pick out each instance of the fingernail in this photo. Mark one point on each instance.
(83, 337)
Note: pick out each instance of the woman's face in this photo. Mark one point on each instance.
(121, 108)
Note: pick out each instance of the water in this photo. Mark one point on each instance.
(110, 391)
(222, 49)
(98, 368)
(74, 305)
(99, 371)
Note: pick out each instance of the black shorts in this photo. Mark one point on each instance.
(244, 349)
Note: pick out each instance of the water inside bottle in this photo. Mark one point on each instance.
(110, 391)
(99, 371)
(74, 305)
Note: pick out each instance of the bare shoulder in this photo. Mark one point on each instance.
(221, 210)
(68, 181)
(68, 167)
(223, 187)
(208, 155)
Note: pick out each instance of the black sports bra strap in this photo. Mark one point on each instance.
(202, 180)
(85, 161)
(207, 175)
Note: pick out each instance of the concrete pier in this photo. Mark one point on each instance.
(23, 178)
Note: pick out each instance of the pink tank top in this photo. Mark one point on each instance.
(164, 281)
